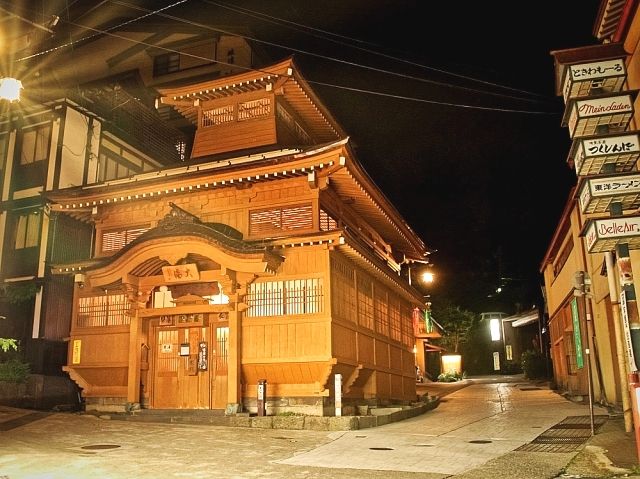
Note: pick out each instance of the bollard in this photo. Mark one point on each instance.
(262, 397)
(338, 390)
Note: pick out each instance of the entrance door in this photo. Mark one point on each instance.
(219, 363)
(179, 381)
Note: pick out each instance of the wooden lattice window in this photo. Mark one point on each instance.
(327, 223)
(254, 109)
(381, 312)
(218, 116)
(407, 324)
(222, 350)
(103, 310)
(343, 290)
(394, 318)
(277, 220)
(277, 298)
(115, 240)
(365, 301)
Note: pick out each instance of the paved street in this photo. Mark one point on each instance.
(472, 433)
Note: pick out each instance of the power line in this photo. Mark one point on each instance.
(326, 35)
(199, 25)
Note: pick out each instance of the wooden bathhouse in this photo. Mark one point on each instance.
(268, 256)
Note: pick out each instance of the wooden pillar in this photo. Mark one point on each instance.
(234, 393)
(137, 299)
(133, 378)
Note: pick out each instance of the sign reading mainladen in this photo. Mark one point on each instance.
(604, 234)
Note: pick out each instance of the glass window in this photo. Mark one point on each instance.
(35, 145)
(28, 230)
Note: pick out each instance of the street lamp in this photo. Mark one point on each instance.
(10, 89)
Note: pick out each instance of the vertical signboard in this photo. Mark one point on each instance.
(624, 312)
(577, 337)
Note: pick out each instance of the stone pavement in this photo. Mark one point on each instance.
(474, 433)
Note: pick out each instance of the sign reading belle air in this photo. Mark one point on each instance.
(617, 110)
(596, 194)
(604, 234)
(590, 154)
(584, 72)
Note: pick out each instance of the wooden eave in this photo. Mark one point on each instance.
(612, 21)
(357, 251)
(334, 160)
(593, 53)
(562, 228)
(282, 78)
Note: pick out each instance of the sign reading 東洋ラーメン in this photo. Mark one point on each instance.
(596, 194)
(604, 234)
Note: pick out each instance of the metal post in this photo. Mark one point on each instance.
(338, 394)
(262, 397)
(590, 386)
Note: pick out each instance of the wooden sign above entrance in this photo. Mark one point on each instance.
(180, 272)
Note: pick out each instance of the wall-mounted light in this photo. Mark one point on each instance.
(494, 327)
(10, 89)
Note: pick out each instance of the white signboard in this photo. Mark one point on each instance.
(591, 71)
(609, 186)
(612, 228)
(624, 312)
(603, 106)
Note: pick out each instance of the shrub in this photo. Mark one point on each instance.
(533, 365)
(451, 377)
(14, 371)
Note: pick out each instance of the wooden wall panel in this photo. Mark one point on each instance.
(382, 354)
(102, 349)
(395, 359)
(366, 349)
(234, 136)
(290, 339)
(344, 342)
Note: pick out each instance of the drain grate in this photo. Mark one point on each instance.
(566, 436)
(381, 448)
(22, 420)
(531, 447)
(95, 447)
(530, 389)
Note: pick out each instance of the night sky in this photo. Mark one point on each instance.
(483, 186)
(455, 118)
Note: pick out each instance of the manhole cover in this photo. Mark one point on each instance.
(480, 441)
(381, 448)
(94, 447)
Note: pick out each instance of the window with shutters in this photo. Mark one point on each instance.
(166, 63)
(278, 298)
(115, 240)
(278, 220)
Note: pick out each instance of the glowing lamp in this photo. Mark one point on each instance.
(494, 327)
(452, 363)
(10, 89)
